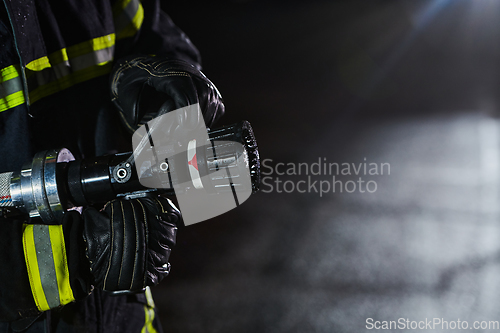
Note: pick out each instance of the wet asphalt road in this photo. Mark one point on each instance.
(409, 86)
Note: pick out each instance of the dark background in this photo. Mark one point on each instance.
(411, 83)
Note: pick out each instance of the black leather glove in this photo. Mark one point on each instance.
(129, 242)
(144, 87)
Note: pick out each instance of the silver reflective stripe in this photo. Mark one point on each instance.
(91, 59)
(42, 78)
(126, 16)
(61, 70)
(46, 267)
(10, 86)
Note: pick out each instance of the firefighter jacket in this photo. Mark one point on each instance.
(54, 61)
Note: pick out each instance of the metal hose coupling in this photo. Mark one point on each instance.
(35, 190)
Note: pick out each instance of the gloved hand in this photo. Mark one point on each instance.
(144, 87)
(129, 242)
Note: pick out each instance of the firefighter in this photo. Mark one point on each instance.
(77, 74)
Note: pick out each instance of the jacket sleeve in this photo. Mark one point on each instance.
(156, 33)
(43, 267)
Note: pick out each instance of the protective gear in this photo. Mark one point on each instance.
(47, 265)
(54, 63)
(137, 81)
(129, 243)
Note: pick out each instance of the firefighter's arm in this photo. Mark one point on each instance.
(151, 31)
(43, 267)
(159, 58)
(124, 247)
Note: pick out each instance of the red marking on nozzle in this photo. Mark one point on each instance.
(194, 162)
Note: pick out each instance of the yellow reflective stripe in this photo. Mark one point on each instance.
(58, 56)
(9, 73)
(61, 264)
(65, 54)
(38, 64)
(11, 101)
(11, 87)
(149, 314)
(138, 18)
(69, 66)
(46, 263)
(69, 80)
(92, 45)
(33, 272)
(149, 297)
(134, 26)
(128, 16)
(104, 42)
